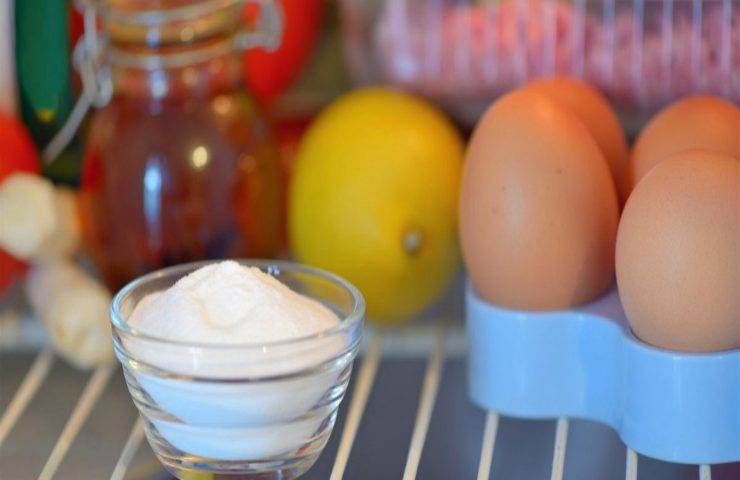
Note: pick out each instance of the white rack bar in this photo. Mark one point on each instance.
(129, 450)
(94, 388)
(427, 399)
(705, 472)
(26, 391)
(631, 468)
(364, 385)
(558, 455)
(488, 445)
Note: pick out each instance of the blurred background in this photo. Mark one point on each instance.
(137, 134)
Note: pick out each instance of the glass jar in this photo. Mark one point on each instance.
(180, 164)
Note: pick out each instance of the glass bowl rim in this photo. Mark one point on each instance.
(346, 322)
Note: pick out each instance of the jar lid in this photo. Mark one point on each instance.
(162, 23)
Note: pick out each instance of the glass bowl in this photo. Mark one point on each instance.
(245, 411)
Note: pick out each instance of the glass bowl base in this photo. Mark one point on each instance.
(186, 469)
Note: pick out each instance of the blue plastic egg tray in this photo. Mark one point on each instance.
(586, 363)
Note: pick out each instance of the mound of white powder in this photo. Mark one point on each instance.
(228, 303)
(235, 313)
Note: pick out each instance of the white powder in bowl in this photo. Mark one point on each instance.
(232, 314)
(228, 303)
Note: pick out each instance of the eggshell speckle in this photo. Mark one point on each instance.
(593, 109)
(678, 248)
(538, 207)
(702, 122)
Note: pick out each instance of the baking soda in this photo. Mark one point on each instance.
(231, 306)
(231, 322)
(227, 303)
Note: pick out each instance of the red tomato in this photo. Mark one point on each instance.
(17, 154)
(10, 270)
(288, 134)
(76, 29)
(17, 151)
(268, 74)
(76, 25)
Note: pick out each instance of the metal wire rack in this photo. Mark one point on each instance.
(433, 344)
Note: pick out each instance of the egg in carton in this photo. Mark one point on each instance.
(657, 359)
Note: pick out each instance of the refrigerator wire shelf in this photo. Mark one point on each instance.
(434, 344)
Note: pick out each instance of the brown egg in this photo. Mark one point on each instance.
(678, 248)
(538, 208)
(593, 109)
(696, 122)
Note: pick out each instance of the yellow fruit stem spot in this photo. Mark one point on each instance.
(412, 241)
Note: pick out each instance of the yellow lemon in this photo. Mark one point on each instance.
(373, 198)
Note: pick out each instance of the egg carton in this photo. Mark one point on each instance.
(586, 363)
